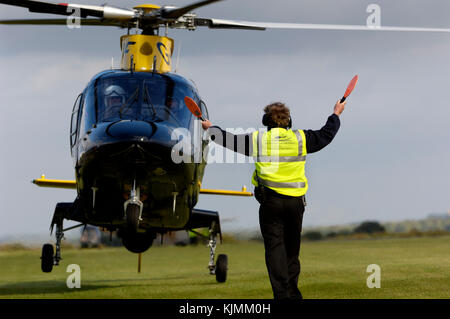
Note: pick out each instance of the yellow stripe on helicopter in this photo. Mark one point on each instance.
(56, 183)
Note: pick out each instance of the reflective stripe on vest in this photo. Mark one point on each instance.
(281, 185)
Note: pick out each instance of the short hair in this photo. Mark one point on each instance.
(279, 114)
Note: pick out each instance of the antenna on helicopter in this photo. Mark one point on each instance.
(178, 58)
(112, 63)
(132, 65)
(154, 63)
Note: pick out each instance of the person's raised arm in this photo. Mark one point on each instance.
(318, 139)
(241, 143)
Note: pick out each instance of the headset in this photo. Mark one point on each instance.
(266, 121)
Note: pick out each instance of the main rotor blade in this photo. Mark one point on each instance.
(230, 24)
(65, 9)
(48, 7)
(178, 12)
(89, 22)
(225, 24)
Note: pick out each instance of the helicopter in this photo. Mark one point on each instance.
(121, 129)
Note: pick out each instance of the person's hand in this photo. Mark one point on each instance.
(206, 124)
(339, 107)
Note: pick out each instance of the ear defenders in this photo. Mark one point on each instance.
(267, 122)
(265, 119)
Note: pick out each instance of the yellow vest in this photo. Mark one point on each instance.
(280, 156)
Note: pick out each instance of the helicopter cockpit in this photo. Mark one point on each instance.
(147, 97)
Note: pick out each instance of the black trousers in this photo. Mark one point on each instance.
(280, 220)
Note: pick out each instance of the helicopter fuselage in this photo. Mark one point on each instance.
(130, 145)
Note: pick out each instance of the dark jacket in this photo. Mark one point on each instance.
(242, 143)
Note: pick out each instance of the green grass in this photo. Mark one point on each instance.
(410, 268)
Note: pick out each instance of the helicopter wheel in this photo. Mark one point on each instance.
(47, 258)
(133, 217)
(138, 242)
(221, 268)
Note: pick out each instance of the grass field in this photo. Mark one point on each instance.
(410, 268)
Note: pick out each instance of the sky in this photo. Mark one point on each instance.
(389, 161)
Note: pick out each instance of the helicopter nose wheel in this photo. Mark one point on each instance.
(133, 209)
(133, 214)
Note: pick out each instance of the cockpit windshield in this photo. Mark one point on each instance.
(156, 99)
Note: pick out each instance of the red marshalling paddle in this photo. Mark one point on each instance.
(350, 88)
(193, 107)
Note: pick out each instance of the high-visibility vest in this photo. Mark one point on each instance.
(280, 156)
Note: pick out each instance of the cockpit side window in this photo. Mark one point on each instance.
(204, 109)
(87, 111)
(74, 120)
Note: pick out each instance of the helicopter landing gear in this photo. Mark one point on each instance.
(133, 213)
(201, 218)
(133, 209)
(212, 252)
(48, 257)
(220, 268)
(59, 236)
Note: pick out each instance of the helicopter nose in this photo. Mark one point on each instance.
(129, 129)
